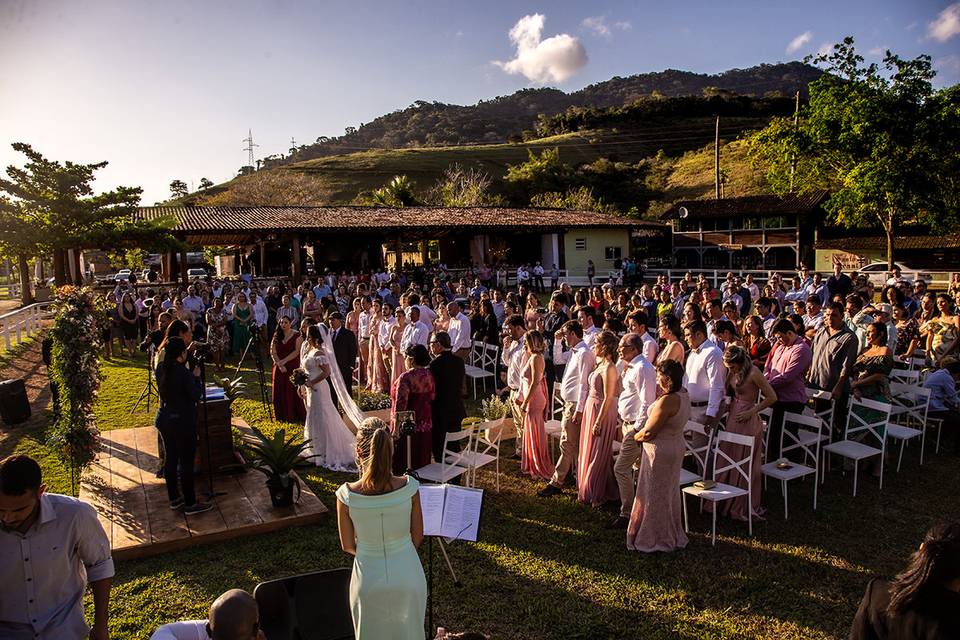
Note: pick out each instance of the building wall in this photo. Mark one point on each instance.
(593, 248)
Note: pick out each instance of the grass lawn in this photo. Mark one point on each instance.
(547, 568)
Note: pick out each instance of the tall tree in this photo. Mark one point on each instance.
(205, 183)
(52, 207)
(877, 137)
(178, 189)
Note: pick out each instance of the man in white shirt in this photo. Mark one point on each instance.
(752, 287)
(233, 616)
(459, 331)
(580, 361)
(705, 375)
(416, 332)
(52, 546)
(427, 315)
(538, 277)
(259, 314)
(585, 316)
(639, 392)
(514, 357)
(363, 337)
(813, 318)
(193, 303)
(637, 323)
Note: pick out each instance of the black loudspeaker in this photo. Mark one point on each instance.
(14, 406)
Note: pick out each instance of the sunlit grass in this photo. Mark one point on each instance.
(550, 569)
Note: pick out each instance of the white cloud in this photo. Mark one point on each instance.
(878, 52)
(825, 49)
(948, 64)
(946, 25)
(599, 26)
(552, 60)
(797, 43)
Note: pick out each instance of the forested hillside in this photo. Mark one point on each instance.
(507, 118)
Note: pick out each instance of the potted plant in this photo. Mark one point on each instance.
(278, 458)
(372, 404)
(496, 419)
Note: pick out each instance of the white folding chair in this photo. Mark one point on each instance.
(356, 372)
(908, 416)
(454, 463)
(810, 447)
(765, 417)
(483, 363)
(476, 458)
(554, 425)
(905, 376)
(871, 428)
(721, 491)
(699, 452)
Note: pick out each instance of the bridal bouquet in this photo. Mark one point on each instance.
(299, 377)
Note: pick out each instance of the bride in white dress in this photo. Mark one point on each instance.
(331, 441)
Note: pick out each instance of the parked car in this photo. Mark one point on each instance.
(122, 276)
(196, 274)
(877, 273)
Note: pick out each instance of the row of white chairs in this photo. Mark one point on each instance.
(475, 448)
(482, 364)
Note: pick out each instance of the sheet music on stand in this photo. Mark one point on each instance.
(451, 511)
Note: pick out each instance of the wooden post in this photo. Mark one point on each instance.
(399, 261)
(295, 246)
(263, 258)
(424, 252)
(716, 160)
(183, 266)
(59, 267)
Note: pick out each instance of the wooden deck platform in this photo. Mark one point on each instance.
(133, 508)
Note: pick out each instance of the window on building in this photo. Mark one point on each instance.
(751, 223)
(612, 253)
(580, 244)
(774, 222)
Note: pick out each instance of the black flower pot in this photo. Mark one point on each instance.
(281, 491)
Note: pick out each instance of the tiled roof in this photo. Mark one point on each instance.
(247, 220)
(854, 243)
(768, 205)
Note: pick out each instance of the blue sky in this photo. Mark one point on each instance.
(166, 90)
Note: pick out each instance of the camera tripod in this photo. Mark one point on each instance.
(150, 388)
(258, 363)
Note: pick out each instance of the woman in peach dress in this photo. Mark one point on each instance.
(596, 483)
(535, 457)
(394, 336)
(747, 381)
(377, 373)
(655, 520)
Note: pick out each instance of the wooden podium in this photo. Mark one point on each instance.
(222, 454)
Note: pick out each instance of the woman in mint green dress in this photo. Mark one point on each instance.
(381, 524)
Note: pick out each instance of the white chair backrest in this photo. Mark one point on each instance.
(867, 417)
(743, 466)
(905, 376)
(914, 402)
(451, 457)
(700, 452)
(489, 358)
(795, 441)
(557, 410)
(477, 350)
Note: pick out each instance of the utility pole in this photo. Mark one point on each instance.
(250, 146)
(293, 146)
(796, 125)
(716, 160)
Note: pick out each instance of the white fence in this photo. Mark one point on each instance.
(23, 322)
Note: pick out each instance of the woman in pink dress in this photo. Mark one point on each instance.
(377, 376)
(655, 518)
(394, 336)
(600, 427)
(535, 458)
(746, 381)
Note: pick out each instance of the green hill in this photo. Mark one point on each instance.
(675, 149)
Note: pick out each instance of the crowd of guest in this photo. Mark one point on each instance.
(604, 351)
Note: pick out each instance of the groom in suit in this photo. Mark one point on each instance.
(345, 348)
(448, 375)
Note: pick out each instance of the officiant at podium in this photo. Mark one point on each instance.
(447, 408)
(345, 348)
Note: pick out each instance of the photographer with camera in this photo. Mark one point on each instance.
(180, 390)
